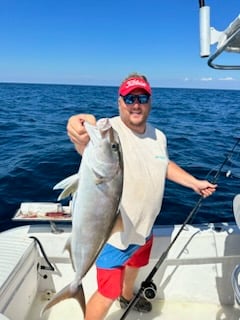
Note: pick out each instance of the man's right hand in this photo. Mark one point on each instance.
(77, 132)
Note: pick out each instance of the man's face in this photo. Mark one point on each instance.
(135, 114)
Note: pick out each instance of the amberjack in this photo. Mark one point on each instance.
(97, 190)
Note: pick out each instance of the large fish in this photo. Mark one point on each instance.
(96, 201)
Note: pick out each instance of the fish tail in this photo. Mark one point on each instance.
(67, 293)
(80, 297)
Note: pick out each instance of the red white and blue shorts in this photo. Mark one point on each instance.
(111, 264)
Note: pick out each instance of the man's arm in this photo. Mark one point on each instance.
(180, 176)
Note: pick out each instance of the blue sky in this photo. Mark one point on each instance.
(100, 42)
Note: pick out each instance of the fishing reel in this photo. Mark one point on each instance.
(149, 290)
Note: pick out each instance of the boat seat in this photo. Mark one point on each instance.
(18, 254)
(14, 249)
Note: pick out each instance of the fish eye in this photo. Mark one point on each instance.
(114, 146)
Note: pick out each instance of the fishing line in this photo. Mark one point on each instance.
(147, 286)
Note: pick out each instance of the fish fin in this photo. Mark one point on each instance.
(66, 293)
(69, 191)
(69, 185)
(68, 248)
(66, 182)
(99, 179)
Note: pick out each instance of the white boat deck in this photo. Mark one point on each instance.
(194, 282)
(161, 310)
(173, 310)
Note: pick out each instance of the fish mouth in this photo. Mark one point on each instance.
(103, 124)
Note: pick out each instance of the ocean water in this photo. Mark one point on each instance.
(201, 126)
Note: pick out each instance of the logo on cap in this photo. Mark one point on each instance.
(136, 83)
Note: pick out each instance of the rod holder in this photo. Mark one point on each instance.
(204, 28)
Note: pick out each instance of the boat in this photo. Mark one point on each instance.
(197, 279)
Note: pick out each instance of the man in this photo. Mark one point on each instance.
(146, 167)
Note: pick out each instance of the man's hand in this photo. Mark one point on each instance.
(205, 188)
(77, 132)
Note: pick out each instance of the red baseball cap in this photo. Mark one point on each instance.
(132, 84)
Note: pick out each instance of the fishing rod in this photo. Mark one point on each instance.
(148, 288)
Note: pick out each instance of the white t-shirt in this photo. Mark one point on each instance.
(145, 161)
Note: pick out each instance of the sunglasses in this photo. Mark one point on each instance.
(131, 98)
